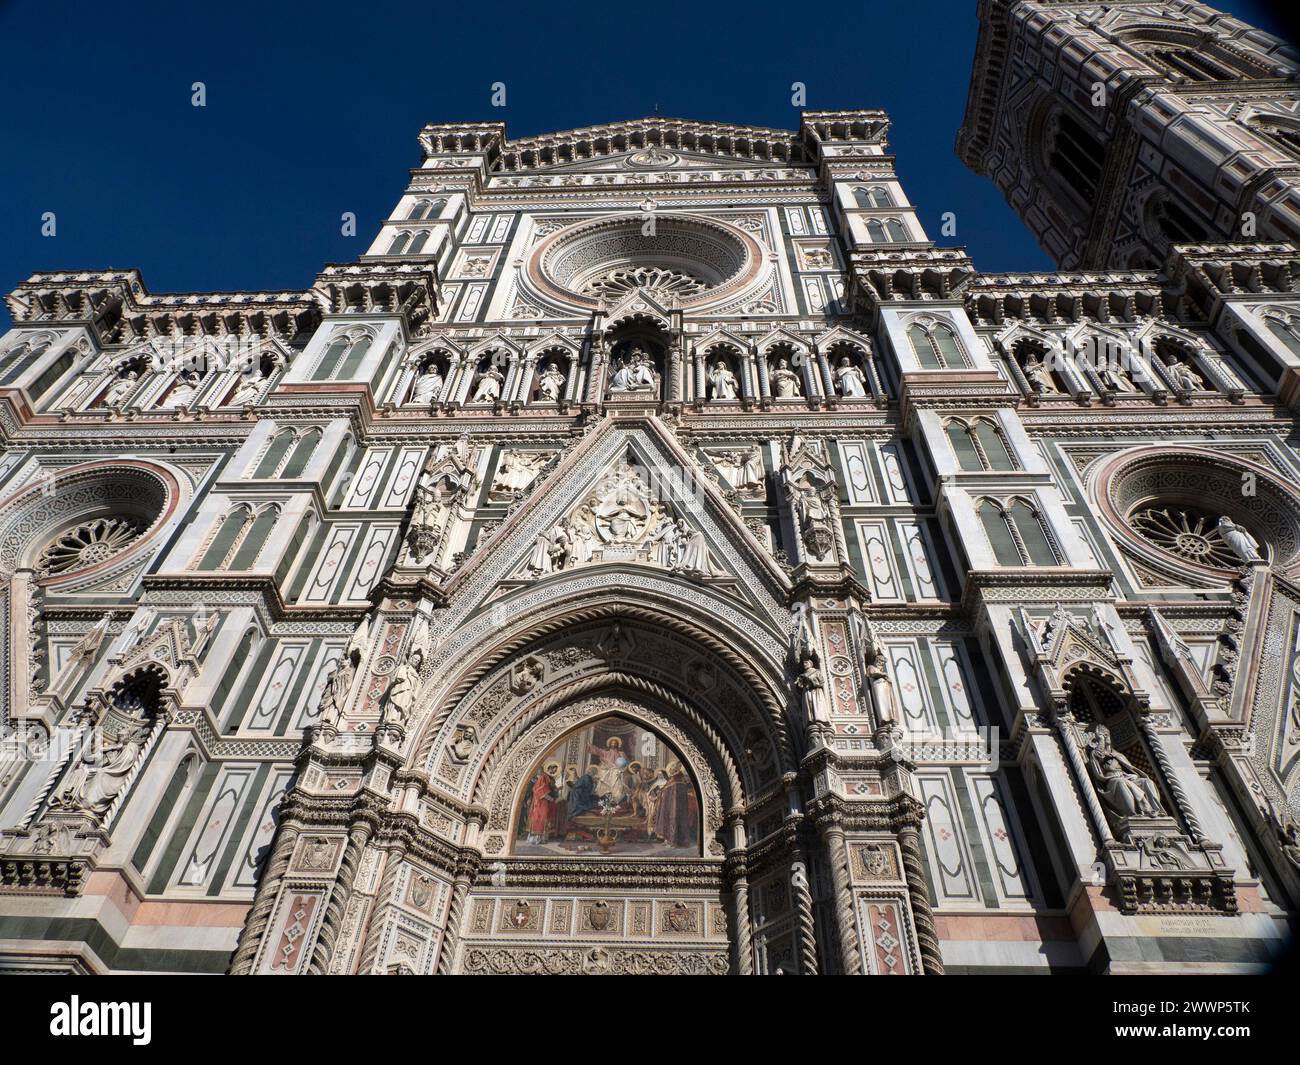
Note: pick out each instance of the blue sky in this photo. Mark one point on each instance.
(313, 110)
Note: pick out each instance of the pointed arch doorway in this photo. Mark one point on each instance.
(610, 807)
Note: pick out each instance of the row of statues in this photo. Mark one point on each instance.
(1112, 375)
(429, 385)
(183, 391)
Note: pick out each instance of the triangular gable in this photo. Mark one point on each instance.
(738, 561)
(639, 304)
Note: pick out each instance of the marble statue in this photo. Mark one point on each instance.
(850, 380)
(1238, 538)
(1124, 789)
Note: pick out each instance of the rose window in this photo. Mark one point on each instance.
(87, 544)
(691, 260)
(1187, 533)
(663, 283)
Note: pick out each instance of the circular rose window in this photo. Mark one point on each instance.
(693, 261)
(1167, 506)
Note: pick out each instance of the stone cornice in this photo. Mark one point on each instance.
(118, 308)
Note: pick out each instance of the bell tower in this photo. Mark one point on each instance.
(1118, 131)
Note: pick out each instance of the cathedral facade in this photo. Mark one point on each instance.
(655, 555)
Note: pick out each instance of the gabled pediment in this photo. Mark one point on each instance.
(640, 303)
(630, 499)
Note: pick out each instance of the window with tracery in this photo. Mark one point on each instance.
(87, 544)
(1017, 533)
(935, 346)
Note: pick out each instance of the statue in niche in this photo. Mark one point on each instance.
(247, 392)
(338, 686)
(427, 389)
(850, 380)
(809, 682)
(398, 699)
(1185, 378)
(785, 382)
(1122, 787)
(120, 389)
(875, 670)
(182, 393)
(1114, 376)
(635, 373)
(1038, 376)
(102, 771)
(446, 479)
(722, 382)
(489, 385)
(1243, 545)
(550, 386)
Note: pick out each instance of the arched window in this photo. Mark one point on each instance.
(895, 230)
(881, 198)
(876, 231)
(254, 539)
(329, 361)
(1287, 331)
(989, 440)
(230, 529)
(420, 210)
(356, 353)
(24, 356)
(936, 346)
(274, 456)
(301, 454)
(979, 445)
(1034, 540)
(963, 446)
(1016, 533)
(998, 529)
(1177, 224)
(1075, 154)
(399, 244)
(862, 198)
(418, 244)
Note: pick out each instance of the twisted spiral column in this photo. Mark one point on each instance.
(383, 903)
(338, 899)
(451, 931)
(744, 935)
(837, 857)
(804, 915)
(1171, 779)
(241, 964)
(927, 936)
